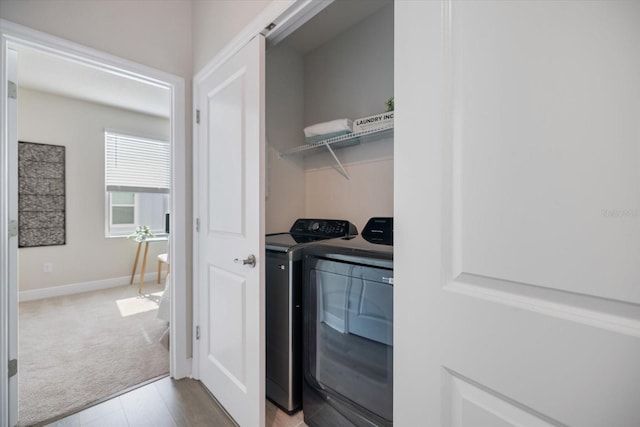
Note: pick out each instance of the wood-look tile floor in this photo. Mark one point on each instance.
(171, 403)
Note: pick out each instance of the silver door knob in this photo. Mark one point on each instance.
(250, 261)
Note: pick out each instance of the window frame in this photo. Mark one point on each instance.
(119, 230)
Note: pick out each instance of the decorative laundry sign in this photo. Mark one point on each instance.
(375, 122)
(41, 195)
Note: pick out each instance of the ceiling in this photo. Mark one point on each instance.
(49, 73)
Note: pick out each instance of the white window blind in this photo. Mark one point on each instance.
(137, 165)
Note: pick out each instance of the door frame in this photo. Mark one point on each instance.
(287, 17)
(12, 34)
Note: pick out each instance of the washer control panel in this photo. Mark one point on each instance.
(324, 227)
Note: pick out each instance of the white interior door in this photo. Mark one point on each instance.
(517, 262)
(10, 256)
(231, 212)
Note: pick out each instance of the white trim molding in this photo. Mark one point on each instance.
(94, 285)
(4, 238)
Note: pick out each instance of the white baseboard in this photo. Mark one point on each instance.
(76, 288)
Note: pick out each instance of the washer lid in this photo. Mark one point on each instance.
(280, 242)
(284, 242)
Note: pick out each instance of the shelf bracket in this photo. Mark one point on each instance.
(341, 168)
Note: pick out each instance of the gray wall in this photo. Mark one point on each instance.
(349, 76)
(284, 124)
(352, 75)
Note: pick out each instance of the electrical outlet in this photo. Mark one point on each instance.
(48, 267)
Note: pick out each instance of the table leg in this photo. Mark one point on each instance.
(135, 264)
(144, 266)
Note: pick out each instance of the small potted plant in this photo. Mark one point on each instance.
(389, 104)
(142, 233)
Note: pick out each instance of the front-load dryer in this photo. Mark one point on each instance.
(348, 329)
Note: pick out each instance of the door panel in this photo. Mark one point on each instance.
(226, 172)
(231, 207)
(522, 251)
(473, 405)
(227, 307)
(546, 166)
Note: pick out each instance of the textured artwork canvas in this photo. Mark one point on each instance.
(41, 195)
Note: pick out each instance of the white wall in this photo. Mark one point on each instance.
(368, 193)
(216, 23)
(156, 33)
(79, 126)
(351, 76)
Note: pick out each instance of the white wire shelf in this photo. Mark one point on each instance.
(340, 141)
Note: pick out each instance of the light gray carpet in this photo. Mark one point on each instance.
(78, 349)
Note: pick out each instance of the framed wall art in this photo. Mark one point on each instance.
(41, 195)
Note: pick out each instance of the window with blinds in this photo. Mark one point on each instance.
(137, 164)
(137, 183)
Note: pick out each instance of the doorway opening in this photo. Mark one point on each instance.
(77, 333)
(69, 96)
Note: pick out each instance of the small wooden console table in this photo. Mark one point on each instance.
(144, 259)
